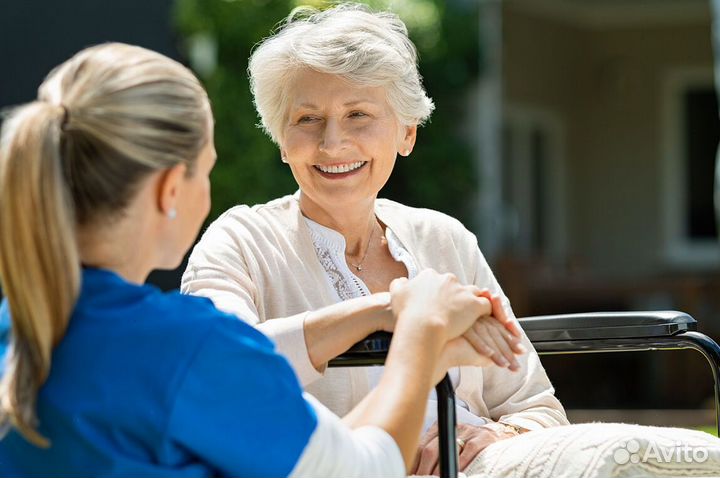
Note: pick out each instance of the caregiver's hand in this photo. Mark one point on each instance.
(439, 299)
(457, 353)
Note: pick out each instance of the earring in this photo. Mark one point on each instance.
(283, 157)
(406, 153)
(172, 214)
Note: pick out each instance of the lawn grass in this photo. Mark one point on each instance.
(708, 429)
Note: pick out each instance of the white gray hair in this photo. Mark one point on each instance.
(366, 48)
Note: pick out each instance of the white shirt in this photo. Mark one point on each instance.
(330, 248)
(335, 450)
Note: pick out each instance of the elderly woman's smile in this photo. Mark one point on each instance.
(340, 138)
(335, 171)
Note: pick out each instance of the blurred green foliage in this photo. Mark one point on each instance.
(440, 172)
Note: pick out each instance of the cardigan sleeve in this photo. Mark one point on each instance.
(524, 398)
(218, 269)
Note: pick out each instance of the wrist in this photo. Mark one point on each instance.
(419, 341)
(504, 430)
(383, 319)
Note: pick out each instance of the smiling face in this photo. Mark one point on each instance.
(340, 140)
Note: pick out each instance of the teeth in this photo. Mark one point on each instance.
(345, 168)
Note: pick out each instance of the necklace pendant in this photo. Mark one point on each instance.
(359, 268)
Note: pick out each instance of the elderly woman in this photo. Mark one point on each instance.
(339, 92)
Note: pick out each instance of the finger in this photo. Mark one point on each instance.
(481, 329)
(450, 277)
(514, 342)
(429, 435)
(428, 458)
(503, 348)
(396, 283)
(498, 357)
(460, 352)
(470, 451)
(425, 440)
(498, 311)
(485, 347)
(500, 314)
(493, 334)
(478, 343)
(484, 307)
(416, 463)
(517, 347)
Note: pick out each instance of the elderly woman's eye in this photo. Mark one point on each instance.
(357, 114)
(307, 119)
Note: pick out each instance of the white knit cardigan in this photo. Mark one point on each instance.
(260, 264)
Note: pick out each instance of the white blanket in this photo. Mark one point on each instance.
(601, 450)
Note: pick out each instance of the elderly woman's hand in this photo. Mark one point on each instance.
(491, 339)
(498, 311)
(474, 439)
(485, 343)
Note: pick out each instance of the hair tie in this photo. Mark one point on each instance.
(65, 118)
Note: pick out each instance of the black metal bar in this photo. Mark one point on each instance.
(684, 340)
(445, 407)
(446, 427)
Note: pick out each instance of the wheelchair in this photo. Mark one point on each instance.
(562, 334)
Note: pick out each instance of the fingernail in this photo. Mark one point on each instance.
(522, 348)
(503, 362)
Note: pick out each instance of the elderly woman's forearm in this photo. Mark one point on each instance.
(332, 330)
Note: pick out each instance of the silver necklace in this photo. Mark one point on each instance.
(358, 266)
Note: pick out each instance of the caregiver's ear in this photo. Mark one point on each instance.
(169, 188)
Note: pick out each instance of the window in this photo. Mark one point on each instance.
(702, 129)
(691, 133)
(533, 188)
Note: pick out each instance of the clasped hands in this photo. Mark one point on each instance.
(478, 330)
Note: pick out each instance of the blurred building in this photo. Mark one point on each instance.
(605, 173)
(610, 127)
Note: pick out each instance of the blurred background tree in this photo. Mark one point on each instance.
(218, 36)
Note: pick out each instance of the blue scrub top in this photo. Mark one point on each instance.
(147, 383)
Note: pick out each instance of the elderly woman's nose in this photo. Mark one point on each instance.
(333, 138)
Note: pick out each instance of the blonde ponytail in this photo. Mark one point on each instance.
(39, 265)
(105, 119)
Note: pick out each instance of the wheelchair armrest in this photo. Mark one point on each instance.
(372, 350)
(551, 328)
(606, 325)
